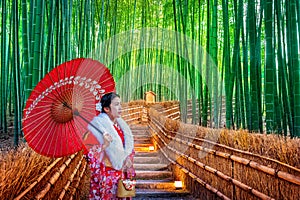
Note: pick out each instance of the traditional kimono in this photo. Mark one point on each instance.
(106, 165)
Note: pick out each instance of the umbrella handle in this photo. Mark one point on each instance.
(76, 112)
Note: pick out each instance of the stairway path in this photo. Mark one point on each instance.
(154, 179)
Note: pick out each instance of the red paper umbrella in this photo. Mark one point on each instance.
(62, 104)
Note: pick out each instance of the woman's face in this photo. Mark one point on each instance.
(115, 109)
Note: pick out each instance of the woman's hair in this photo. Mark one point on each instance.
(106, 100)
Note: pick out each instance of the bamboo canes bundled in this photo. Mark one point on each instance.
(222, 175)
(70, 180)
(19, 168)
(132, 112)
(283, 175)
(166, 132)
(78, 182)
(54, 178)
(247, 153)
(193, 176)
(38, 180)
(165, 129)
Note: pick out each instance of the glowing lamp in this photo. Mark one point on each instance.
(151, 148)
(178, 184)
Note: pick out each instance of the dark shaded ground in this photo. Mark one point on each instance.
(7, 139)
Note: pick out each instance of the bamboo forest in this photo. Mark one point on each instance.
(237, 58)
(150, 99)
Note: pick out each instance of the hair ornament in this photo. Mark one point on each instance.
(99, 106)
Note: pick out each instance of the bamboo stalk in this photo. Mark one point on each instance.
(232, 149)
(54, 178)
(176, 118)
(221, 175)
(171, 115)
(227, 178)
(193, 176)
(240, 160)
(289, 177)
(62, 194)
(79, 179)
(38, 179)
(283, 175)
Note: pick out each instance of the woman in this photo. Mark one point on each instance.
(112, 159)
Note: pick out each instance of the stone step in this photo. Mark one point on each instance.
(148, 154)
(144, 148)
(139, 126)
(156, 184)
(140, 140)
(141, 149)
(141, 134)
(150, 159)
(145, 129)
(143, 144)
(162, 194)
(139, 143)
(142, 137)
(150, 167)
(154, 175)
(154, 180)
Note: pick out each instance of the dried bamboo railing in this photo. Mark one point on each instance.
(54, 178)
(138, 110)
(71, 178)
(172, 112)
(164, 137)
(197, 171)
(186, 171)
(38, 180)
(46, 186)
(239, 151)
(72, 169)
(209, 169)
(132, 113)
(81, 175)
(274, 172)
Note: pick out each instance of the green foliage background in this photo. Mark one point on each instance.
(244, 53)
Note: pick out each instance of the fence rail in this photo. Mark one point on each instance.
(227, 172)
(60, 180)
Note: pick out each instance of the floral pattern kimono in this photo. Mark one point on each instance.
(104, 179)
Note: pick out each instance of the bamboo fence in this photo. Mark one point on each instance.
(226, 164)
(228, 172)
(59, 181)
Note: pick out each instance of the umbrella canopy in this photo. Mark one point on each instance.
(62, 104)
